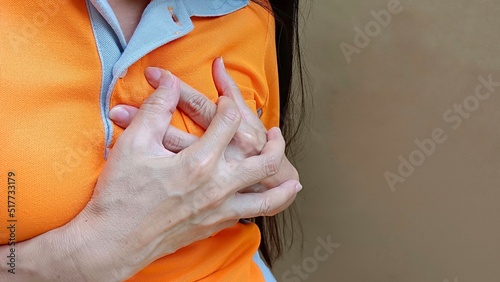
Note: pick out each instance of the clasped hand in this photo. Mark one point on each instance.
(162, 189)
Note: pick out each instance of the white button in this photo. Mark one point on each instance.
(123, 74)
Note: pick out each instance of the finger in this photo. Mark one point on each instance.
(249, 140)
(226, 86)
(122, 115)
(287, 172)
(256, 188)
(176, 140)
(153, 75)
(254, 169)
(153, 118)
(220, 132)
(268, 203)
(196, 105)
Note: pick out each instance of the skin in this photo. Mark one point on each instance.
(128, 13)
(250, 137)
(248, 140)
(178, 198)
(180, 195)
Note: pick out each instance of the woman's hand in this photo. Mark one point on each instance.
(248, 141)
(149, 202)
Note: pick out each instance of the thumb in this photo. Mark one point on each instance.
(153, 118)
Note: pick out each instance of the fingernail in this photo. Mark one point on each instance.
(222, 63)
(167, 81)
(154, 74)
(298, 187)
(118, 113)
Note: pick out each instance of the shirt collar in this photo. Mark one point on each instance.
(198, 8)
(212, 8)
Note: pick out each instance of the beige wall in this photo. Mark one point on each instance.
(443, 222)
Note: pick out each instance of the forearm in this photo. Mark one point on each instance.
(47, 257)
(68, 253)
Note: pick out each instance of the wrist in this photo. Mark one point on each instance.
(93, 256)
(106, 247)
(42, 258)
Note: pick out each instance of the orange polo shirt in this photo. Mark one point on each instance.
(55, 131)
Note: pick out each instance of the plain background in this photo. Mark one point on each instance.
(443, 222)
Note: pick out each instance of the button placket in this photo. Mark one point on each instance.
(176, 23)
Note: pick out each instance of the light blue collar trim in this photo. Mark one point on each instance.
(213, 8)
(107, 13)
(156, 28)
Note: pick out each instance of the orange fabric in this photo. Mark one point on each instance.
(51, 132)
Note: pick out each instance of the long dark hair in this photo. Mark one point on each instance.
(278, 232)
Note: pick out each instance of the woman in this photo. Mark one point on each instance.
(160, 189)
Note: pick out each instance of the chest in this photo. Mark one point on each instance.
(128, 14)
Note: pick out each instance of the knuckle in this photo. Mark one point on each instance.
(191, 161)
(198, 171)
(197, 104)
(201, 204)
(231, 116)
(271, 165)
(246, 138)
(172, 142)
(155, 104)
(224, 181)
(198, 205)
(198, 166)
(130, 143)
(213, 194)
(250, 144)
(265, 207)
